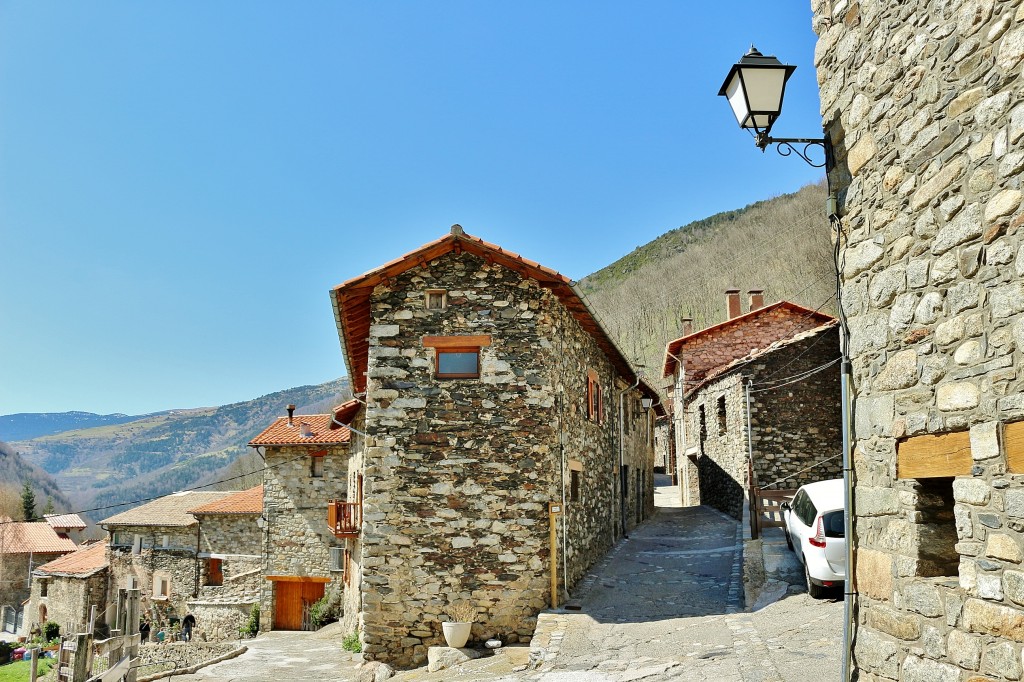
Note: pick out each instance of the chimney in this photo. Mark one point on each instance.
(291, 413)
(305, 430)
(732, 303)
(457, 229)
(756, 299)
(687, 326)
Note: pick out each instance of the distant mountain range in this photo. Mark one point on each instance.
(28, 425)
(15, 471)
(129, 459)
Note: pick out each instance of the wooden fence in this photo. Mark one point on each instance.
(766, 509)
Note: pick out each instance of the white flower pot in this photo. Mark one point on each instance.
(456, 634)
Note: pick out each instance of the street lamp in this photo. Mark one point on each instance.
(755, 87)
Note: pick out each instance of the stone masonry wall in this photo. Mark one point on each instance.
(297, 538)
(722, 463)
(68, 600)
(176, 561)
(461, 471)
(799, 424)
(925, 105)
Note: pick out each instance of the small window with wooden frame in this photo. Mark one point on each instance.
(595, 399)
(435, 299)
(457, 357)
(316, 464)
(575, 473)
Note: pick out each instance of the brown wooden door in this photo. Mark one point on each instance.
(289, 599)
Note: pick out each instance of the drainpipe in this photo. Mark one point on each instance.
(750, 460)
(622, 454)
(679, 416)
(847, 372)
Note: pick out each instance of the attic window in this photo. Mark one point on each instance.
(435, 299)
(595, 399)
(316, 466)
(456, 357)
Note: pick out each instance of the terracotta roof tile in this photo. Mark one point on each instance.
(85, 561)
(245, 502)
(73, 521)
(22, 537)
(322, 427)
(170, 510)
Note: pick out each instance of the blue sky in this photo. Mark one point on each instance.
(181, 183)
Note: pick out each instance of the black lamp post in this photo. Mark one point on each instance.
(755, 87)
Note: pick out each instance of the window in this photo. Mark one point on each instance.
(574, 486)
(137, 544)
(214, 572)
(595, 399)
(316, 466)
(435, 299)
(722, 426)
(456, 357)
(702, 429)
(161, 586)
(131, 583)
(458, 363)
(44, 587)
(337, 558)
(935, 536)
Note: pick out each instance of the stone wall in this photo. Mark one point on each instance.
(925, 104)
(297, 538)
(230, 534)
(722, 458)
(461, 471)
(218, 621)
(168, 552)
(68, 600)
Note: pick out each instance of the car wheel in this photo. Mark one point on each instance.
(816, 591)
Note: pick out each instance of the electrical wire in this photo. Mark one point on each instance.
(798, 377)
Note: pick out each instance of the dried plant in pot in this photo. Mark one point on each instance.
(456, 630)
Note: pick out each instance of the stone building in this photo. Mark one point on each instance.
(491, 392)
(24, 545)
(307, 474)
(229, 562)
(792, 425)
(155, 548)
(924, 103)
(65, 590)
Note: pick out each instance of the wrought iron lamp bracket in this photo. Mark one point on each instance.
(787, 146)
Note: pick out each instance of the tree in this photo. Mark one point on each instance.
(48, 508)
(28, 502)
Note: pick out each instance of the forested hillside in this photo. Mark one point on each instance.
(14, 472)
(780, 245)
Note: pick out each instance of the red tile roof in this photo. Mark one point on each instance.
(324, 431)
(72, 521)
(351, 301)
(82, 563)
(672, 351)
(245, 502)
(37, 537)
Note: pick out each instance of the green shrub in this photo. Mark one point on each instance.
(252, 626)
(352, 643)
(51, 631)
(324, 610)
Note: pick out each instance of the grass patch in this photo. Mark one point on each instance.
(351, 643)
(19, 671)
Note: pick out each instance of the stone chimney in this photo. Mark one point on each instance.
(305, 430)
(732, 303)
(457, 229)
(291, 414)
(756, 299)
(687, 326)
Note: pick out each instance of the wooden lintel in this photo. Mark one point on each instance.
(1013, 443)
(934, 455)
(298, 579)
(456, 341)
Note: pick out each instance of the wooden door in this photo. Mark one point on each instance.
(290, 598)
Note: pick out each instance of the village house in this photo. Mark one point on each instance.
(739, 422)
(70, 526)
(924, 104)
(155, 549)
(229, 562)
(66, 589)
(23, 546)
(306, 480)
(493, 398)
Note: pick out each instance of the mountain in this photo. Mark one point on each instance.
(782, 245)
(14, 472)
(161, 453)
(28, 425)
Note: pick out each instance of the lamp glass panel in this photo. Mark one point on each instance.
(764, 88)
(737, 100)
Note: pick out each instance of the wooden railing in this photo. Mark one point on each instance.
(768, 509)
(343, 518)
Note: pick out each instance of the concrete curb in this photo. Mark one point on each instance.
(191, 669)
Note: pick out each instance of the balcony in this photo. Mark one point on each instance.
(343, 518)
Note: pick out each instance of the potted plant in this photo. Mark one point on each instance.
(456, 630)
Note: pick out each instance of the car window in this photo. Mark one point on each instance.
(834, 524)
(797, 503)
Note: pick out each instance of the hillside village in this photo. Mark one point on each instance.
(506, 462)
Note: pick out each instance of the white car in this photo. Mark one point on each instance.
(815, 530)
